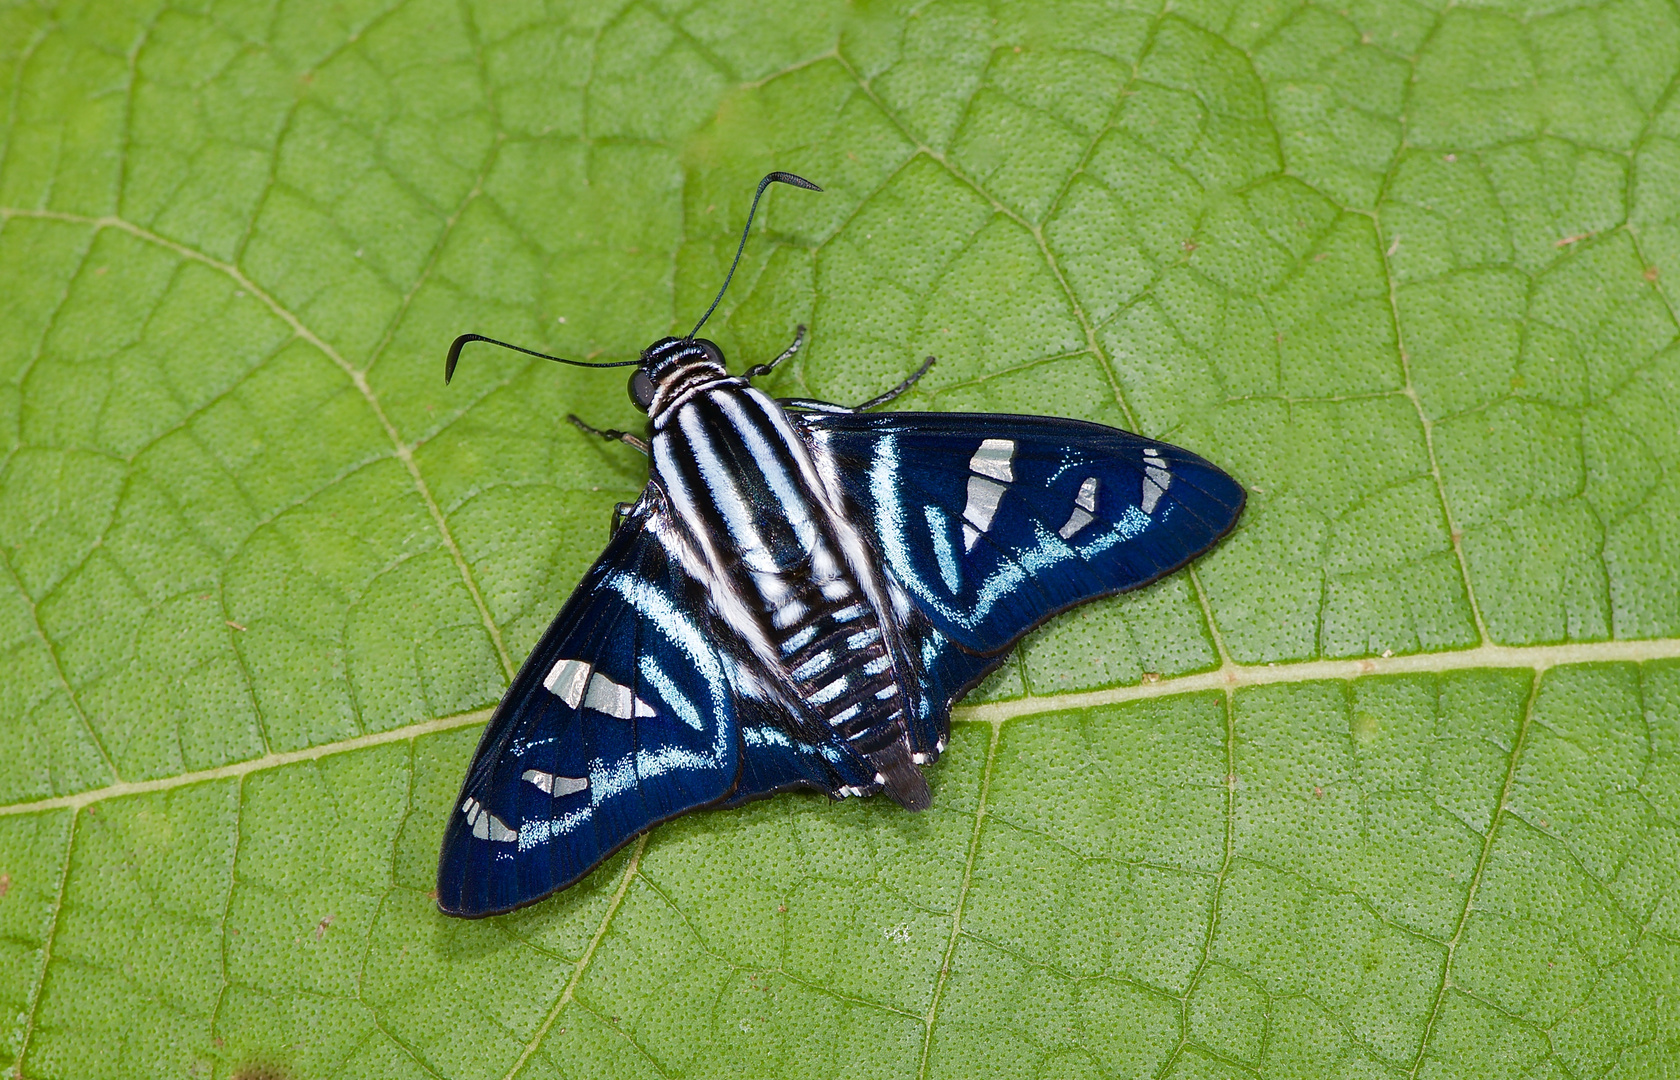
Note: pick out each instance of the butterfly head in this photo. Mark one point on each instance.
(671, 364)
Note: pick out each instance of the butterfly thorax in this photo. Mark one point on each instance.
(784, 575)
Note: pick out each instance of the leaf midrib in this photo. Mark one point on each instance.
(1229, 677)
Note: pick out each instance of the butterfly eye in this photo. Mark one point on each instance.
(641, 390)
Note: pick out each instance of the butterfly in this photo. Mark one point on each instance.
(798, 598)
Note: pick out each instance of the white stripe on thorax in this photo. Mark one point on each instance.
(705, 570)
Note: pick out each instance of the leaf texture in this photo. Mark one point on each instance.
(1386, 786)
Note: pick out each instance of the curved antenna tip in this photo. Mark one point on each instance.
(465, 339)
(788, 178)
(454, 356)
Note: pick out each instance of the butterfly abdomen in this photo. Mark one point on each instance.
(782, 580)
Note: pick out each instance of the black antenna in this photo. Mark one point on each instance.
(772, 178)
(464, 339)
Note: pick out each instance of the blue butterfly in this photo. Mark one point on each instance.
(796, 600)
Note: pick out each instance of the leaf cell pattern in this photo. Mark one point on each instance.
(1387, 786)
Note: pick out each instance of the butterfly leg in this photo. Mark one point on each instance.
(610, 434)
(812, 405)
(758, 370)
(898, 390)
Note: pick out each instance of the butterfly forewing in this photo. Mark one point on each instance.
(994, 523)
(622, 716)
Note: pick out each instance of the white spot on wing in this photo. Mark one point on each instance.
(554, 785)
(1156, 481)
(1076, 521)
(993, 460)
(566, 680)
(1087, 497)
(485, 825)
(983, 498)
(612, 698)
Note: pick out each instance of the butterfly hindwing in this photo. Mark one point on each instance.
(621, 717)
(993, 523)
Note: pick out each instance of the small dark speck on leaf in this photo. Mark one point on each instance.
(321, 927)
(1650, 273)
(6, 885)
(1190, 245)
(782, 908)
(1450, 158)
(260, 1071)
(1152, 676)
(235, 625)
(432, 895)
(1318, 792)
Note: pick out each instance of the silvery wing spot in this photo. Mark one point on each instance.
(798, 598)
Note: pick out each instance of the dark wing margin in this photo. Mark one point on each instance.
(993, 523)
(623, 716)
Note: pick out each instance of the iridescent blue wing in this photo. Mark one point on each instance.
(774, 757)
(993, 523)
(621, 717)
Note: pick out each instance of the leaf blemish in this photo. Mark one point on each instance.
(260, 1071)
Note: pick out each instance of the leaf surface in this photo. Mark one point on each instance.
(1388, 785)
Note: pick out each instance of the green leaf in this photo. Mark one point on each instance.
(1387, 786)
